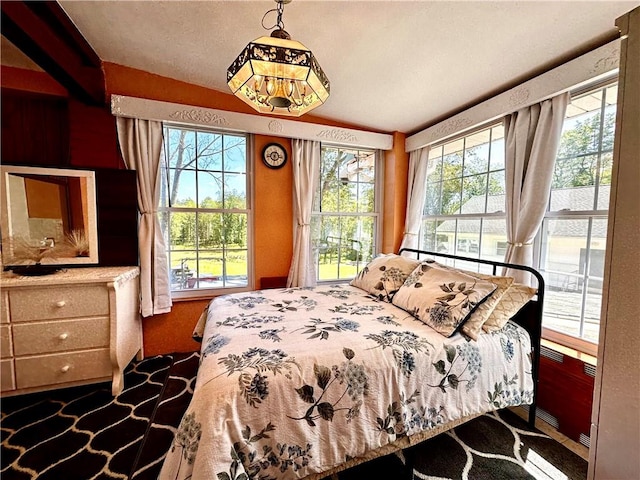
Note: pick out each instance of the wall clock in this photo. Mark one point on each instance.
(274, 155)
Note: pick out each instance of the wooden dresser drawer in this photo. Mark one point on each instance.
(58, 302)
(60, 335)
(7, 379)
(62, 368)
(5, 342)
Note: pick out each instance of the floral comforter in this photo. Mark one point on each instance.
(296, 382)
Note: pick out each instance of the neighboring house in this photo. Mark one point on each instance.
(561, 236)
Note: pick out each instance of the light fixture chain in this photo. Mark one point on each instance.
(280, 11)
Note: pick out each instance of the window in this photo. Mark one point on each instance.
(464, 207)
(205, 209)
(345, 212)
(574, 232)
(465, 203)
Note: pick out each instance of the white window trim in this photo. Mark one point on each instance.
(208, 293)
(190, 115)
(378, 205)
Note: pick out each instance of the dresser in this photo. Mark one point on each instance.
(74, 327)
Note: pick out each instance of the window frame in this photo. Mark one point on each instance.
(579, 343)
(377, 214)
(479, 216)
(556, 336)
(208, 293)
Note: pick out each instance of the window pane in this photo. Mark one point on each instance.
(474, 194)
(573, 186)
(329, 182)
(210, 230)
(183, 231)
(468, 238)
(182, 188)
(366, 199)
(328, 246)
(235, 230)
(476, 154)
(432, 204)
(209, 149)
(428, 230)
(210, 190)
(497, 148)
(180, 148)
(434, 169)
(597, 248)
(452, 165)
(348, 197)
(235, 190)
(591, 328)
(494, 239)
(235, 154)
(183, 267)
(580, 134)
(562, 308)
(367, 167)
(605, 181)
(496, 190)
(564, 243)
(451, 192)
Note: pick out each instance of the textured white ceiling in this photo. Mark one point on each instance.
(393, 65)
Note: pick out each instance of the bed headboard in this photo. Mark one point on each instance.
(529, 317)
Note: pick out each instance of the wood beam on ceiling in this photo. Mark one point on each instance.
(44, 32)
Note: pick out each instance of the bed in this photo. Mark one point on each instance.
(306, 382)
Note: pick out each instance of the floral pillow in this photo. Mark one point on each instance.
(384, 275)
(441, 298)
(511, 302)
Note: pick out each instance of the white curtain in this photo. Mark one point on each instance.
(306, 175)
(532, 137)
(141, 146)
(416, 192)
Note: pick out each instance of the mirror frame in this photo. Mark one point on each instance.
(5, 220)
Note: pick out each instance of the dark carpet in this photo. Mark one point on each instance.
(84, 433)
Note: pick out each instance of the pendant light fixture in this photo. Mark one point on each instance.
(278, 75)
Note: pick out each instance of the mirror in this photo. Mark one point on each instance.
(48, 216)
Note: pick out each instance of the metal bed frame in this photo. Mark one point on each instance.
(529, 317)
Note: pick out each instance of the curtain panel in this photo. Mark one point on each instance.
(532, 138)
(306, 176)
(141, 147)
(416, 195)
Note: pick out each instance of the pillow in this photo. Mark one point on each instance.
(384, 275)
(511, 302)
(473, 325)
(441, 298)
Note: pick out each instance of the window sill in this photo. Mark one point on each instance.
(572, 344)
(188, 296)
(571, 352)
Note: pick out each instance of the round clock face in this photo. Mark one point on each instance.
(274, 155)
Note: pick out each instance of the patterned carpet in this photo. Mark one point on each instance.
(84, 433)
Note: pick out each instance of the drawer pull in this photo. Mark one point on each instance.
(65, 369)
(61, 303)
(63, 336)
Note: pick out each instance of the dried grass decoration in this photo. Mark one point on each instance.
(78, 243)
(27, 257)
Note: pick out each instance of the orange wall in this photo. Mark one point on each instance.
(93, 143)
(396, 169)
